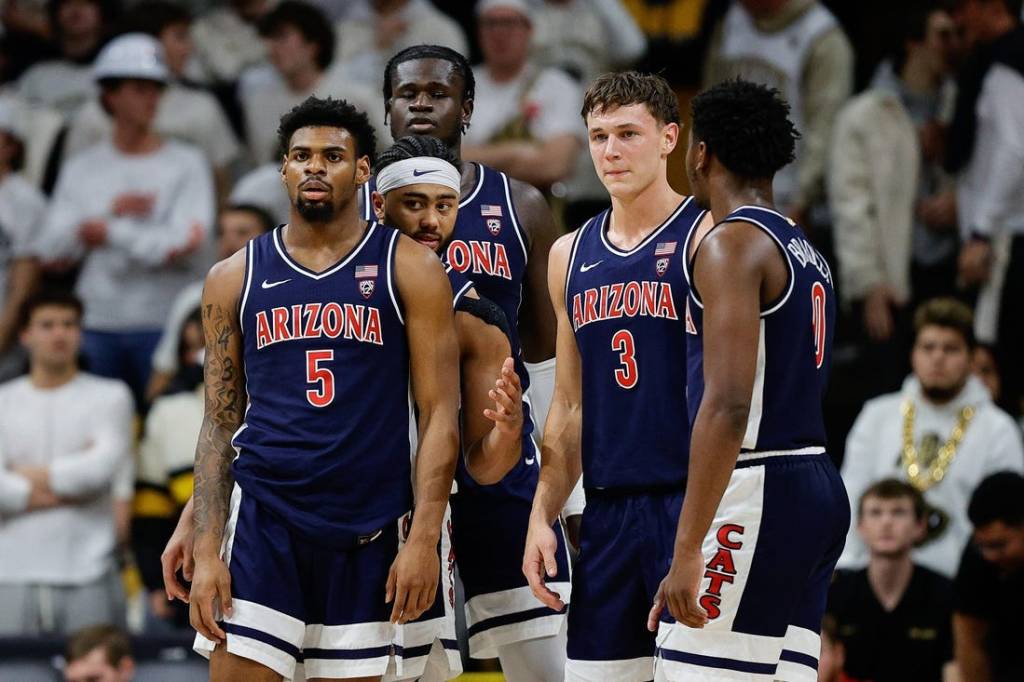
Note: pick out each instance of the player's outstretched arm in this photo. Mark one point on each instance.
(225, 407)
(434, 369)
(537, 326)
(561, 462)
(728, 273)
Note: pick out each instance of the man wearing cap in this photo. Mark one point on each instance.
(134, 211)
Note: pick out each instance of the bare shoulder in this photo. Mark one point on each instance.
(531, 207)
(561, 248)
(418, 270)
(226, 278)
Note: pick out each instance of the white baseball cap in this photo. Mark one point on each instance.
(520, 6)
(133, 55)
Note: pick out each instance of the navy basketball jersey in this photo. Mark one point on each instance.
(626, 310)
(325, 442)
(794, 350)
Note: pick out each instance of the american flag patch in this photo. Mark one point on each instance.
(490, 210)
(366, 271)
(665, 248)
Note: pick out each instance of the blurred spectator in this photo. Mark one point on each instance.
(526, 119)
(894, 210)
(236, 226)
(22, 210)
(942, 433)
(66, 83)
(64, 439)
(39, 129)
(101, 653)
(893, 617)
(185, 113)
(135, 210)
(375, 30)
(300, 47)
(166, 457)
(985, 367)
(798, 47)
(989, 588)
(227, 40)
(986, 149)
(833, 655)
(677, 33)
(263, 187)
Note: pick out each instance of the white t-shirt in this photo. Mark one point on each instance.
(128, 284)
(186, 114)
(165, 357)
(22, 210)
(552, 105)
(265, 97)
(61, 85)
(225, 44)
(82, 432)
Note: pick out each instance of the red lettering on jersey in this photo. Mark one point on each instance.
(263, 337)
(590, 306)
(332, 320)
(603, 308)
(650, 293)
(722, 561)
(615, 307)
(296, 321)
(501, 266)
(577, 312)
(281, 324)
(717, 580)
(458, 255)
(632, 299)
(354, 321)
(725, 531)
(373, 333)
(667, 304)
(710, 604)
(481, 257)
(312, 329)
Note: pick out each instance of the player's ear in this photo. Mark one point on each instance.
(377, 201)
(467, 114)
(362, 170)
(669, 138)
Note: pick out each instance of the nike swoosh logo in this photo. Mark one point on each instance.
(271, 285)
(530, 461)
(417, 173)
(584, 267)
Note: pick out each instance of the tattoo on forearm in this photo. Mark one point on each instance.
(225, 406)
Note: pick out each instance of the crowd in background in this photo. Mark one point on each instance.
(137, 147)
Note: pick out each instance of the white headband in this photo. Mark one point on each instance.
(419, 170)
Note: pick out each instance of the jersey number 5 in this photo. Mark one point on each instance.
(323, 394)
(622, 342)
(818, 322)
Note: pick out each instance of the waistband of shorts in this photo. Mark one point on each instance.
(637, 490)
(757, 457)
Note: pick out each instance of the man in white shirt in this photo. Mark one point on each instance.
(185, 113)
(227, 41)
(65, 437)
(942, 433)
(135, 211)
(525, 118)
(300, 49)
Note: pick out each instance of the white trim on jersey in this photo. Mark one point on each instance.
(247, 284)
(334, 268)
(648, 239)
(801, 641)
(756, 395)
(768, 454)
(512, 216)
(457, 295)
(476, 190)
(390, 276)
(572, 261)
(782, 247)
(354, 636)
(630, 670)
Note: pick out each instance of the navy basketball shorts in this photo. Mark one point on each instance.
(770, 554)
(489, 534)
(626, 546)
(297, 603)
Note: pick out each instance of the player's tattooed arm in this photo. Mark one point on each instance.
(225, 407)
(561, 462)
(434, 371)
(537, 326)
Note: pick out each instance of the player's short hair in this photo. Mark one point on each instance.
(948, 313)
(1000, 497)
(267, 221)
(893, 489)
(115, 644)
(308, 20)
(153, 17)
(412, 146)
(460, 66)
(623, 88)
(331, 113)
(45, 298)
(746, 126)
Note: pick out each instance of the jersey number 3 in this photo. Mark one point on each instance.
(622, 342)
(323, 394)
(818, 322)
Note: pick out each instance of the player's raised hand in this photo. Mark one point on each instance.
(211, 593)
(507, 395)
(412, 581)
(178, 554)
(679, 591)
(539, 561)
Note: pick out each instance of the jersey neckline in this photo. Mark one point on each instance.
(646, 240)
(303, 270)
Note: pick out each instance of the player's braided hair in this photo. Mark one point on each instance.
(746, 126)
(460, 65)
(331, 113)
(410, 147)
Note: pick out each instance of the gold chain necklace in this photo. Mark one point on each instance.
(922, 477)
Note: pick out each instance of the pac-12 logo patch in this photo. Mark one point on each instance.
(494, 226)
(661, 267)
(366, 275)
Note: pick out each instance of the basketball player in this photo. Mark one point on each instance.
(619, 407)
(501, 239)
(315, 333)
(765, 514)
